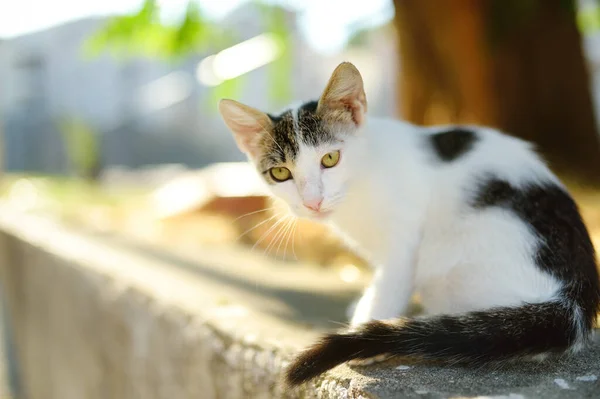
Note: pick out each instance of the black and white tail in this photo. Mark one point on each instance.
(474, 338)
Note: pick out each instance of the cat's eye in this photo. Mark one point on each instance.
(280, 174)
(330, 159)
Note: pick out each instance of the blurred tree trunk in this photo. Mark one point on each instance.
(516, 65)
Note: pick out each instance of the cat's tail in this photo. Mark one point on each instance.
(475, 338)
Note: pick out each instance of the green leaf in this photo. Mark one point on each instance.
(143, 34)
(588, 19)
(280, 71)
(81, 145)
(228, 89)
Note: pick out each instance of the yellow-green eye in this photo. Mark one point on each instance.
(280, 174)
(331, 159)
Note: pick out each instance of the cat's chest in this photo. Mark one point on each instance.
(362, 221)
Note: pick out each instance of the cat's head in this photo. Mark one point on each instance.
(307, 154)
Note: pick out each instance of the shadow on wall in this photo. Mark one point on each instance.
(322, 310)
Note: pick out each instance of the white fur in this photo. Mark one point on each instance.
(408, 214)
(311, 181)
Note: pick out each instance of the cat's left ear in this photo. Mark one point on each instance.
(246, 123)
(344, 98)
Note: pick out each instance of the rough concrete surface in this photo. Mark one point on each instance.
(4, 372)
(98, 317)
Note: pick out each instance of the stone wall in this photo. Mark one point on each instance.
(92, 319)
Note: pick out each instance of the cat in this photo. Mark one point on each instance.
(468, 217)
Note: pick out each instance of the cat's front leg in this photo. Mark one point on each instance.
(389, 293)
(387, 297)
(363, 309)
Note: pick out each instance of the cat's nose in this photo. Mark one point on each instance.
(314, 204)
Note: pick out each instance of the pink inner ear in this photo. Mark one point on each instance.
(353, 105)
(246, 124)
(345, 93)
(247, 137)
(357, 110)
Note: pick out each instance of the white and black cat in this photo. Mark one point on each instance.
(469, 218)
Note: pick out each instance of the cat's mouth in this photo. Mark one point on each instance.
(321, 214)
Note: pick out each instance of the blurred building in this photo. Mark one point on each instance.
(146, 111)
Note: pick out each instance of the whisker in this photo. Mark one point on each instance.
(287, 243)
(285, 233)
(262, 237)
(338, 197)
(257, 225)
(294, 239)
(277, 237)
(253, 213)
(344, 325)
(273, 241)
(269, 233)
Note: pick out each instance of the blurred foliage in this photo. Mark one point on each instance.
(144, 34)
(64, 193)
(281, 70)
(359, 38)
(588, 18)
(82, 147)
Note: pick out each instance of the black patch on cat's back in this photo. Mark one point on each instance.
(450, 145)
(493, 192)
(565, 250)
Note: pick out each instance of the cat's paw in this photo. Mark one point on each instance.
(369, 361)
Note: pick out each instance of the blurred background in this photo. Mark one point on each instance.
(108, 114)
(103, 101)
(108, 108)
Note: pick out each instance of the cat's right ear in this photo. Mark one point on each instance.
(246, 123)
(344, 98)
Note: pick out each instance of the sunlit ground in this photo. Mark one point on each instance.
(268, 231)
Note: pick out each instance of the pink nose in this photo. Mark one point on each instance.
(314, 204)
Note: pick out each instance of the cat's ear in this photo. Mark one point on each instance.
(246, 123)
(344, 97)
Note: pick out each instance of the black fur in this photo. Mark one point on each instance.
(474, 338)
(283, 145)
(309, 107)
(567, 251)
(497, 334)
(311, 129)
(451, 144)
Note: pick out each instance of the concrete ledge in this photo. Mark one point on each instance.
(95, 317)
